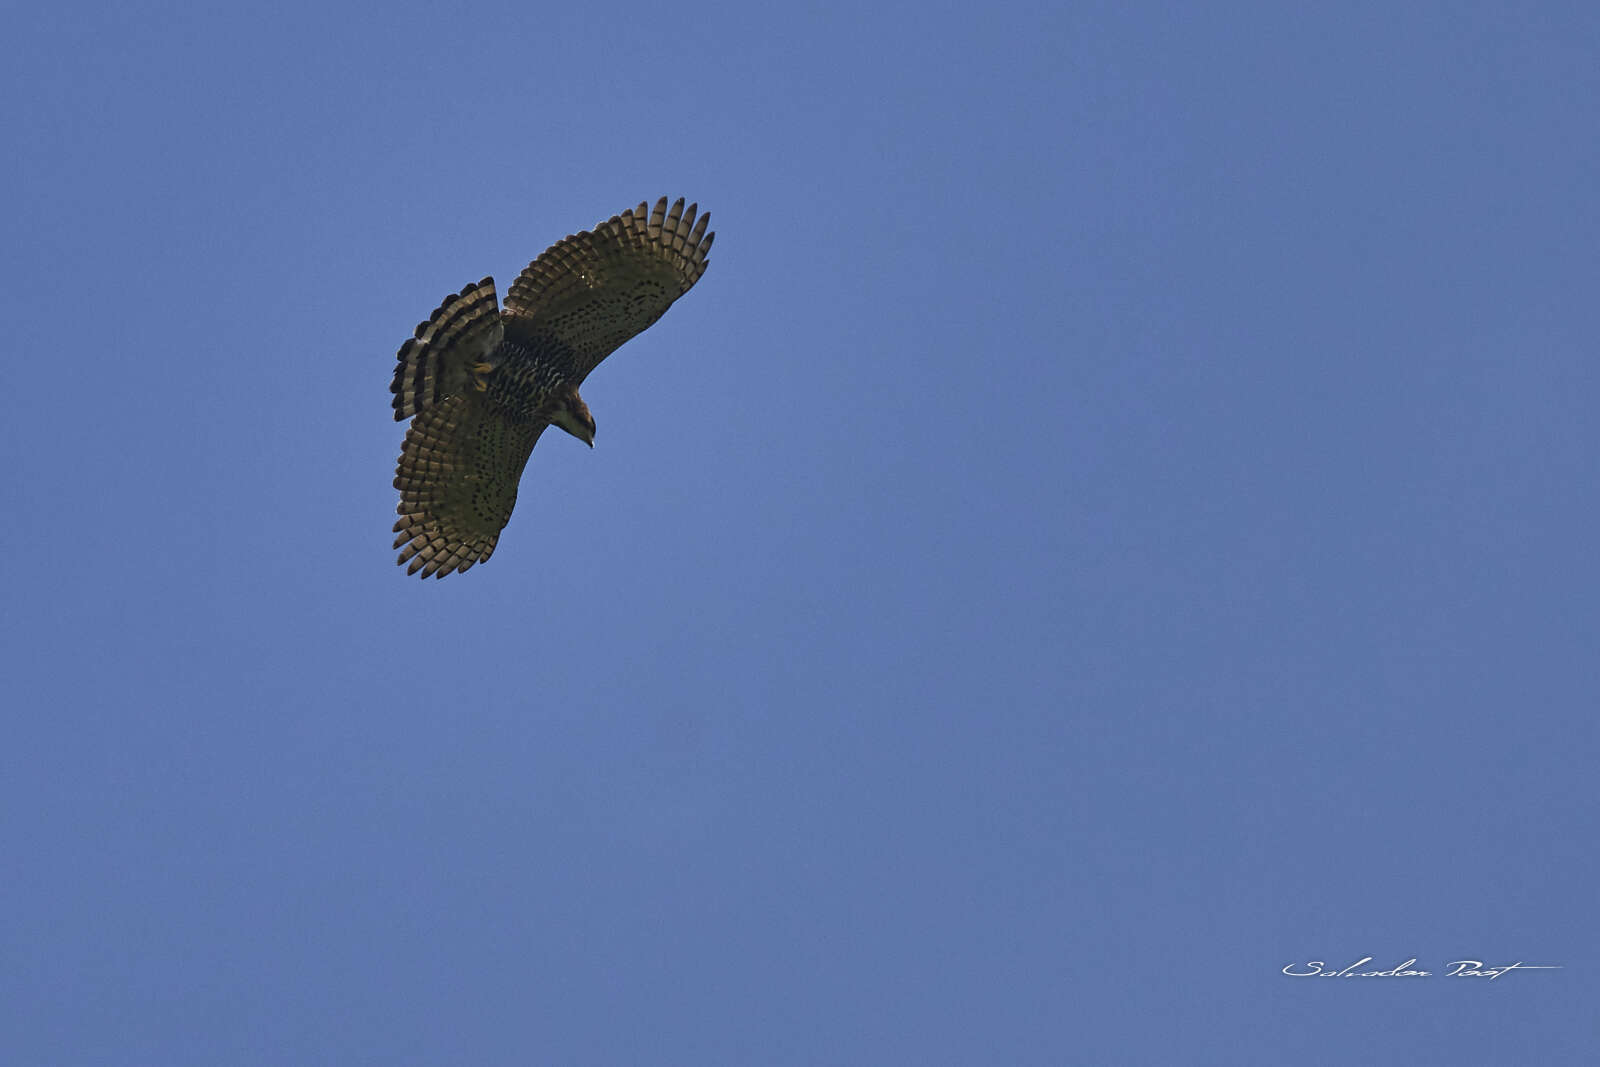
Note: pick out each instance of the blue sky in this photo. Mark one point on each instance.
(1116, 519)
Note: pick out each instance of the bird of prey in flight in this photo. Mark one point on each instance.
(483, 381)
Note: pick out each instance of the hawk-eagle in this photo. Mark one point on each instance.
(484, 382)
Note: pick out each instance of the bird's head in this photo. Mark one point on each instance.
(572, 415)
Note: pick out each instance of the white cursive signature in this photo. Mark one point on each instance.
(1462, 969)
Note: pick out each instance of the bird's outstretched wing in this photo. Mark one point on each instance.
(592, 291)
(437, 362)
(458, 478)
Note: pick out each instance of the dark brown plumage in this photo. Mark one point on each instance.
(482, 383)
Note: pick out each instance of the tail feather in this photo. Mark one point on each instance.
(464, 330)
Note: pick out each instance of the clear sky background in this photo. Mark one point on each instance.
(1116, 519)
